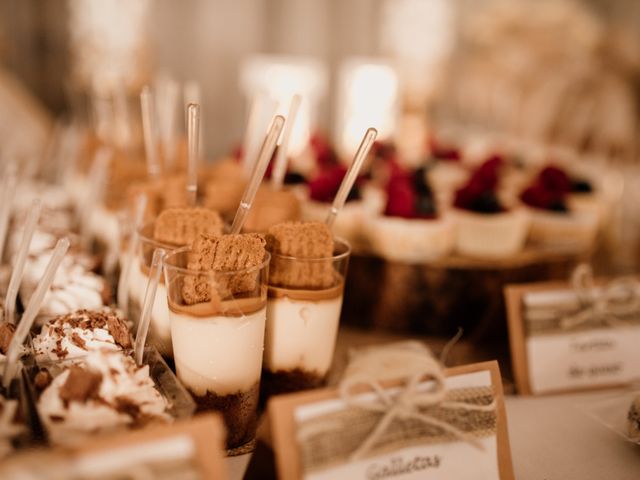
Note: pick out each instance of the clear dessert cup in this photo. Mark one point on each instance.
(160, 327)
(217, 329)
(71, 422)
(16, 418)
(303, 314)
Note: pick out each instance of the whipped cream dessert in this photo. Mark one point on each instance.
(78, 333)
(217, 306)
(73, 288)
(106, 391)
(306, 284)
(174, 227)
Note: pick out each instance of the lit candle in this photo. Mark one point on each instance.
(368, 97)
(275, 79)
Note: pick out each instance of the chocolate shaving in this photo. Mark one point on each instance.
(81, 385)
(77, 339)
(119, 331)
(59, 351)
(127, 406)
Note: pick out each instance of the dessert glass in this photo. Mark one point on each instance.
(303, 314)
(17, 424)
(218, 343)
(159, 328)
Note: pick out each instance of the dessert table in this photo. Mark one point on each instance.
(551, 437)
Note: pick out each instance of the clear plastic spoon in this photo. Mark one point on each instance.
(193, 143)
(150, 133)
(350, 178)
(21, 259)
(280, 165)
(125, 273)
(149, 298)
(33, 307)
(268, 146)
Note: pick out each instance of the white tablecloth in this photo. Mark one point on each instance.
(552, 439)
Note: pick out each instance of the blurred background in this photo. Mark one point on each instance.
(533, 76)
(491, 63)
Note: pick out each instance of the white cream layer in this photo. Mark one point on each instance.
(160, 327)
(219, 354)
(301, 334)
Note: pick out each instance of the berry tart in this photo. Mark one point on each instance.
(485, 227)
(553, 223)
(364, 199)
(411, 229)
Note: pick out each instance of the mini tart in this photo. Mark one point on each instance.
(411, 240)
(574, 230)
(591, 203)
(351, 220)
(490, 235)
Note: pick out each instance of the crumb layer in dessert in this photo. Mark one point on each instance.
(239, 410)
(287, 381)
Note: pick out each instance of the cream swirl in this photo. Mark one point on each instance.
(73, 288)
(75, 334)
(106, 391)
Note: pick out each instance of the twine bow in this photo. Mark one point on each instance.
(410, 403)
(602, 306)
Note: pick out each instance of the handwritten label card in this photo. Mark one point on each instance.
(191, 448)
(317, 435)
(567, 338)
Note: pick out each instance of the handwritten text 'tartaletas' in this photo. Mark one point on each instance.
(402, 466)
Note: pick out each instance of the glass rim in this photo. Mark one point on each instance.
(187, 271)
(334, 257)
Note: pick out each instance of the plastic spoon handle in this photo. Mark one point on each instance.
(125, 273)
(21, 260)
(280, 166)
(350, 178)
(147, 308)
(149, 133)
(33, 307)
(268, 146)
(193, 140)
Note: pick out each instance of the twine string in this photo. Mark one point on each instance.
(601, 307)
